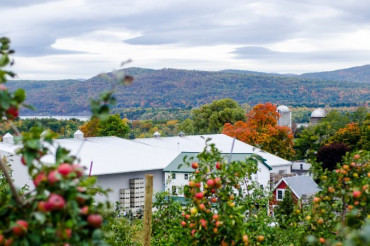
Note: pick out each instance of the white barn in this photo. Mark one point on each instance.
(121, 165)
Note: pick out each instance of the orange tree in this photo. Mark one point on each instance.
(261, 130)
(61, 209)
(225, 207)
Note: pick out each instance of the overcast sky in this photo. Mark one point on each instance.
(81, 38)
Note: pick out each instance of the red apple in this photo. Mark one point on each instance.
(210, 182)
(195, 165)
(218, 223)
(191, 183)
(199, 195)
(43, 206)
(356, 194)
(202, 207)
(95, 220)
(80, 200)
(1, 235)
(322, 240)
(39, 178)
(84, 210)
(2, 88)
(81, 189)
(213, 199)
(218, 165)
(183, 223)
(245, 238)
(357, 157)
(215, 217)
(316, 199)
(78, 169)
(20, 228)
(218, 181)
(56, 202)
(23, 160)
(65, 169)
(260, 238)
(197, 185)
(64, 234)
(8, 242)
(187, 216)
(12, 112)
(203, 222)
(53, 177)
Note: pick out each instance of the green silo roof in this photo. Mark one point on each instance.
(174, 165)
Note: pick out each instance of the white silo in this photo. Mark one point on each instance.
(285, 116)
(317, 115)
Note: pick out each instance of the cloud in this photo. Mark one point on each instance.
(240, 34)
(261, 53)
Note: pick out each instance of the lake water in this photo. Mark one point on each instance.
(58, 117)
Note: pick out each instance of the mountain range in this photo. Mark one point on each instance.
(177, 88)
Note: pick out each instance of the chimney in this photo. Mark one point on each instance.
(8, 138)
(78, 135)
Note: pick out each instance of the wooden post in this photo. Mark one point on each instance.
(148, 209)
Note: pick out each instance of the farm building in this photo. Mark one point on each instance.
(302, 187)
(121, 165)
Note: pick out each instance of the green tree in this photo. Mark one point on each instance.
(113, 126)
(211, 118)
(311, 139)
(284, 210)
(187, 126)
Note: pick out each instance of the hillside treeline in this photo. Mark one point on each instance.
(171, 88)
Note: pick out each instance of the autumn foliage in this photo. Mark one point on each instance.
(261, 130)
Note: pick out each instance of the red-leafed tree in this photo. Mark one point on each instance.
(261, 130)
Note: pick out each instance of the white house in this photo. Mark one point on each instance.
(121, 165)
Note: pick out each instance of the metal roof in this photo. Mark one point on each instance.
(319, 113)
(301, 185)
(283, 108)
(196, 143)
(117, 155)
(174, 165)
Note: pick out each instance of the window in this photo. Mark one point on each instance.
(279, 194)
(174, 193)
(186, 176)
(301, 166)
(281, 171)
(173, 175)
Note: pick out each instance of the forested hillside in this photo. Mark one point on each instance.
(172, 88)
(359, 74)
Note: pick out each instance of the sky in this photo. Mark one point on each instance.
(69, 39)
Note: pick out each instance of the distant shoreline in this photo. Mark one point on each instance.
(58, 117)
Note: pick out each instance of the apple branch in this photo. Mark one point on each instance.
(11, 184)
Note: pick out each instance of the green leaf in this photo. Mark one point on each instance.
(4, 60)
(19, 95)
(4, 99)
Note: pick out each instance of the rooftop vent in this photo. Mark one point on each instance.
(181, 134)
(8, 138)
(78, 135)
(156, 135)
